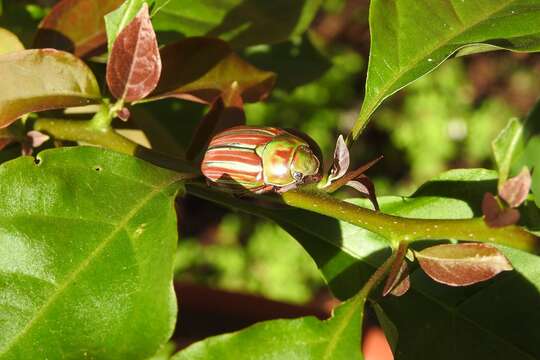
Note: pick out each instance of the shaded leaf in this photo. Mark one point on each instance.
(302, 338)
(296, 62)
(241, 23)
(515, 190)
(75, 26)
(495, 215)
(134, 65)
(389, 328)
(52, 79)
(9, 42)
(203, 69)
(462, 264)
(531, 159)
(87, 243)
(219, 117)
(409, 39)
(505, 146)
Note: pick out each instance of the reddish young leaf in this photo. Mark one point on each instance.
(462, 264)
(398, 282)
(341, 161)
(134, 64)
(515, 190)
(36, 80)
(365, 186)
(76, 26)
(494, 215)
(202, 69)
(350, 176)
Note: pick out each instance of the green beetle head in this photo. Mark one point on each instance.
(304, 164)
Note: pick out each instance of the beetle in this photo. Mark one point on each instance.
(259, 159)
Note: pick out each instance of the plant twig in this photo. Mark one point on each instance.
(391, 227)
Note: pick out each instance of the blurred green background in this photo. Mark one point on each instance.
(446, 119)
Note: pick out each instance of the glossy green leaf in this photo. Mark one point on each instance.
(506, 145)
(75, 26)
(87, 243)
(302, 338)
(240, 22)
(410, 38)
(202, 69)
(531, 158)
(9, 42)
(36, 80)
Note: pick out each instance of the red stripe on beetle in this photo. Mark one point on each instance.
(244, 140)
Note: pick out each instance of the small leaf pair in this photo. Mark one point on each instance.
(340, 176)
(513, 192)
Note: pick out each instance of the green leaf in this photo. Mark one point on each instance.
(410, 38)
(87, 242)
(75, 26)
(242, 23)
(37, 80)
(531, 159)
(302, 338)
(203, 69)
(9, 42)
(506, 145)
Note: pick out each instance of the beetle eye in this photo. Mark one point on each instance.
(298, 176)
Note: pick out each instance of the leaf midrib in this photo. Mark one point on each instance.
(86, 263)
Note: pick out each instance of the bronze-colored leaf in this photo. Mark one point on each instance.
(365, 186)
(202, 69)
(75, 26)
(398, 281)
(134, 65)
(515, 190)
(341, 161)
(495, 215)
(37, 80)
(462, 264)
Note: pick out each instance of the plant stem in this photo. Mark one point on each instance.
(407, 229)
(391, 227)
(86, 131)
(376, 277)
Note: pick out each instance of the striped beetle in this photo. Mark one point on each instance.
(259, 159)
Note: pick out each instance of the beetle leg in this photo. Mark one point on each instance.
(285, 188)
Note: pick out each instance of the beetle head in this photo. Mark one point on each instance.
(304, 164)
